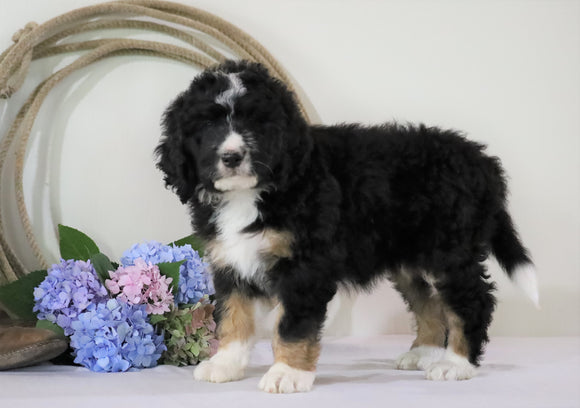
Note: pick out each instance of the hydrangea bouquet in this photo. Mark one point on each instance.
(153, 308)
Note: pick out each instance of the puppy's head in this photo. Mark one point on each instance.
(235, 128)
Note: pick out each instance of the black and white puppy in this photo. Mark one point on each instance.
(290, 212)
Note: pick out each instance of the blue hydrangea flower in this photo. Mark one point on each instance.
(151, 251)
(114, 336)
(194, 278)
(68, 289)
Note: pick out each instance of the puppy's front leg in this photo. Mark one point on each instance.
(235, 332)
(296, 349)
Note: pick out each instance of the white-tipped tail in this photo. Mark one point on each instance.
(524, 277)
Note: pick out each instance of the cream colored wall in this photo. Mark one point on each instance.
(506, 72)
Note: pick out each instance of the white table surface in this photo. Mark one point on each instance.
(353, 372)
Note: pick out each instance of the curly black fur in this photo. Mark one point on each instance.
(361, 202)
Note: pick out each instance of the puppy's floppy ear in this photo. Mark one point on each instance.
(174, 159)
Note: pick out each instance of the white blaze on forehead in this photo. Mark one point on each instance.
(236, 89)
(233, 143)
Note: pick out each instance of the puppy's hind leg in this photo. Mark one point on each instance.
(468, 308)
(425, 303)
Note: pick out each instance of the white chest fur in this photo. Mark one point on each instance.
(242, 251)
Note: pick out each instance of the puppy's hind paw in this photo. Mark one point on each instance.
(281, 378)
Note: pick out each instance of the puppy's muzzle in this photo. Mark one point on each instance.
(232, 159)
(235, 170)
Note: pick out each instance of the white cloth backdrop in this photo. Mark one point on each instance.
(505, 72)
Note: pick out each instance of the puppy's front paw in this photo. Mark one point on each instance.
(218, 371)
(281, 378)
(419, 358)
(452, 367)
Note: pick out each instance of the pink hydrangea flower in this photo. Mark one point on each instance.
(141, 284)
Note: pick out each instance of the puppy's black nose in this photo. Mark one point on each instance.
(232, 159)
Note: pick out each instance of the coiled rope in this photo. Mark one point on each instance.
(188, 24)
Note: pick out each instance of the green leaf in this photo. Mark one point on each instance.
(195, 349)
(171, 270)
(102, 265)
(45, 324)
(178, 325)
(195, 242)
(17, 298)
(187, 318)
(154, 319)
(75, 244)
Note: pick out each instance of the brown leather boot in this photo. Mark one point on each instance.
(25, 346)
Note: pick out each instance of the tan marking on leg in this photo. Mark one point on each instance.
(302, 354)
(426, 307)
(456, 340)
(237, 322)
(431, 327)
